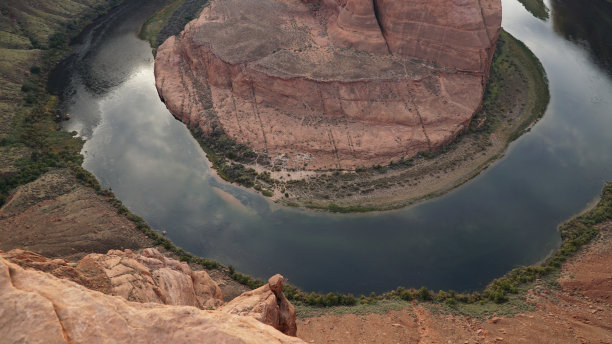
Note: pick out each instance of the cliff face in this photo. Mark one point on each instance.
(332, 84)
(456, 34)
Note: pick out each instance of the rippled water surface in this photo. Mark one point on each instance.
(505, 217)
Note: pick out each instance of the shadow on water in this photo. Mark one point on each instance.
(505, 217)
(587, 23)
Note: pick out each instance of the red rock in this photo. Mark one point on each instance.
(333, 83)
(36, 307)
(267, 304)
(152, 277)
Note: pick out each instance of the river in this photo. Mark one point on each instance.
(505, 217)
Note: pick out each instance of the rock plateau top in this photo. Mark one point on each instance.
(333, 83)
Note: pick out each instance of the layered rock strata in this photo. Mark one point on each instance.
(36, 307)
(332, 83)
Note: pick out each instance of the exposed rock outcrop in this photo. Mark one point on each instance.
(151, 277)
(36, 307)
(267, 304)
(146, 277)
(332, 83)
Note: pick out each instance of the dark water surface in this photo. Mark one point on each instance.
(505, 217)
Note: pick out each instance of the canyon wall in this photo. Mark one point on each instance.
(332, 84)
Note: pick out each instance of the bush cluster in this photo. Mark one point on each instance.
(313, 299)
(247, 280)
(574, 234)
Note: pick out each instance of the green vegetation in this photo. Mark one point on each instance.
(170, 20)
(35, 37)
(151, 28)
(574, 234)
(379, 307)
(334, 208)
(512, 55)
(227, 158)
(503, 295)
(536, 7)
(247, 280)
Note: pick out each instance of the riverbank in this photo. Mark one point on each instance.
(48, 202)
(118, 213)
(516, 97)
(33, 39)
(572, 303)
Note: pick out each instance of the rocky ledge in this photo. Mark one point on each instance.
(322, 84)
(128, 297)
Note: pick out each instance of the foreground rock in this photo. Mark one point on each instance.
(146, 277)
(267, 304)
(151, 277)
(335, 83)
(36, 307)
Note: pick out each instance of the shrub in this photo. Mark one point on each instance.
(424, 294)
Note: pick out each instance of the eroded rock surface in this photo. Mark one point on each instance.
(332, 83)
(152, 277)
(267, 304)
(36, 307)
(146, 277)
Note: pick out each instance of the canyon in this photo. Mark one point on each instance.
(322, 85)
(109, 283)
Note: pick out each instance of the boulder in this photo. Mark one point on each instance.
(267, 304)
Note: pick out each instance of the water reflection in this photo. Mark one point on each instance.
(588, 23)
(505, 217)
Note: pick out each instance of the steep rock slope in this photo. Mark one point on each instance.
(331, 84)
(151, 277)
(36, 307)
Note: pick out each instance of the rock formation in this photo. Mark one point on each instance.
(332, 83)
(36, 307)
(151, 277)
(267, 304)
(57, 216)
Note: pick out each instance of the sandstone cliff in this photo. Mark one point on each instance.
(333, 83)
(36, 307)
